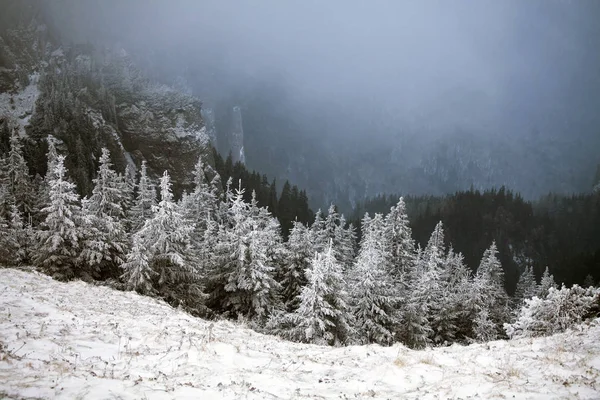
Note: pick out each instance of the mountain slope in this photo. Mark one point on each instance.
(92, 97)
(72, 340)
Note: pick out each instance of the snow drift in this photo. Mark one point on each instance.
(74, 340)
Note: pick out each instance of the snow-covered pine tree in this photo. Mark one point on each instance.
(242, 282)
(398, 236)
(526, 286)
(145, 201)
(462, 303)
(484, 329)
(138, 272)
(415, 329)
(317, 229)
(18, 176)
(546, 283)
(442, 313)
(105, 244)
(323, 314)
(22, 235)
(205, 195)
(345, 238)
(588, 281)
(200, 207)
(59, 241)
(373, 294)
(127, 184)
(492, 297)
(333, 229)
(298, 259)
(43, 189)
(8, 242)
(164, 241)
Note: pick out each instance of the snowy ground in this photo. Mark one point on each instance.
(74, 341)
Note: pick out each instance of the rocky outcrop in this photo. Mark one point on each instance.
(90, 98)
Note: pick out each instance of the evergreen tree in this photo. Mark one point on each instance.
(317, 231)
(242, 280)
(298, 259)
(398, 236)
(202, 203)
(373, 291)
(492, 297)
(332, 229)
(588, 281)
(323, 314)
(164, 243)
(105, 244)
(345, 237)
(18, 176)
(145, 200)
(415, 330)
(61, 235)
(9, 243)
(138, 272)
(526, 286)
(21, 237)
(127, 184)
(546, 283)
(462, 305)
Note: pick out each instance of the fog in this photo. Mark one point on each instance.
(493, 68)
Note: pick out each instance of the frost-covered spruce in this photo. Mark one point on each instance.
(8, 241)
(298, 258)
(104, 245)
(526, 286)
(450, 311)
(18, 176)
(415, 329)
(492, 297)
(372, 288)
(462, 302)
(323, 314)
(59, 239)
(127, 185)
(164, 241)
(432, 283)
(145, 200)
(401, 246)
(138, 272)
(345, 237)
(546, 283)
(203, 201)
(333, 230)
(242, 278)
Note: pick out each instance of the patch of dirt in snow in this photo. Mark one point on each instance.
(74, 340)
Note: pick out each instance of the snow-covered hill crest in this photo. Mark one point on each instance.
(75, 340)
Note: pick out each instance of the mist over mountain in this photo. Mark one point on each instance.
(349, 99)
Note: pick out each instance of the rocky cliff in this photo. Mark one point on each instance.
(89, 98)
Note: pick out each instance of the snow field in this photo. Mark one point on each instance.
(74, 340)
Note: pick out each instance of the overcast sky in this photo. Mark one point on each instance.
(484, 65)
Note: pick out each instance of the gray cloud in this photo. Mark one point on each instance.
(486, 66)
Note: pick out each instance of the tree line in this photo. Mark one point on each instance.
(561, 232)
(217, 253)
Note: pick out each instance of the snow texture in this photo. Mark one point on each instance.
(73, 340)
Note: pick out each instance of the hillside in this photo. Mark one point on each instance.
(88, 97)
(73, 340)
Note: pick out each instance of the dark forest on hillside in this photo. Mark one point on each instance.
(561, 232)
